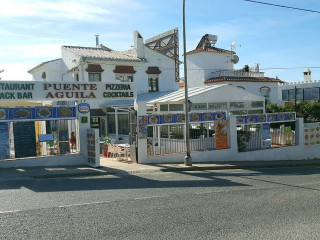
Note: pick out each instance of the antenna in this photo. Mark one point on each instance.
(234, 45)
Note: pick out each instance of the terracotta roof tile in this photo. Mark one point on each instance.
(242, 79)
(94, 68)
(124, 69)
(153, 70)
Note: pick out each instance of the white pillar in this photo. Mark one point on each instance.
(116, 123)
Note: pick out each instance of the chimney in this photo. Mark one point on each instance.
(97, 40)
(138, 44)
(307, 75)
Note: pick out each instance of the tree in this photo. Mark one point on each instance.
(309, 111)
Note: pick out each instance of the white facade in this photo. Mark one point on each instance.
(306, 90)
(75, 63)
(257, 88)
(216, 66)
(202, 65)
(48, 71)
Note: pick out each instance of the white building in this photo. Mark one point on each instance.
(151, 71)
(209, 65)
(307, 90)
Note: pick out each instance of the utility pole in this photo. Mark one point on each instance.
(187, 158)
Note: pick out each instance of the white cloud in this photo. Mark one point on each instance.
(16, 71)
(82, 10)
(30, 51)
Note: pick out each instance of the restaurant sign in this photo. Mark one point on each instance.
(59, 91)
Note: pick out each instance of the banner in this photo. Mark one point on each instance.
(93, 147)
(312, 134)
(37, 113)
(266, 135)
(4, 140)
(221, 136)
(64, 91)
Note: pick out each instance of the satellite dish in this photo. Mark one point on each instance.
(234, 59)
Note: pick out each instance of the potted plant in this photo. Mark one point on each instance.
(106, 141)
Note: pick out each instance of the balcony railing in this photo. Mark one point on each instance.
(236, 73)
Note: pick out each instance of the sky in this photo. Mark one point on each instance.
(283, 41)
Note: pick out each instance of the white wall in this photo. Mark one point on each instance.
(254, 87)
(201, 65)
(62, 160)
(52, 69)
(298, 152)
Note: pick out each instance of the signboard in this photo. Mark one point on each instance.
(93, 147)
(266, 118)
(221, 136)
(179, 118)
(4, 140)
(266, 135)
(64, 91)
(312, 134)
(24, 139)
(37, 113)
(84, 108)
(45, 137)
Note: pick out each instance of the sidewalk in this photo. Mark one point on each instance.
(120, 168)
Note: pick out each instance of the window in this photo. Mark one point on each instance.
(94, 77)
(198, 106)
(153, 84)
(239, 112)
(123, 124)
(164, 108)
(217, 105)
(257, 104)
(176, 107)
(285, 95)
(94, 72)
(257, 111)
(311, 94)
(124, 77)
(299, 93)
(291, 95)
(237, 104)
(111, 123)
(95, 122)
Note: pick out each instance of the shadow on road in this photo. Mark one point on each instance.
(115, 182)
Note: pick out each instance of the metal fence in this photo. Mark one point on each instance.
(250, 138)
(168, 139)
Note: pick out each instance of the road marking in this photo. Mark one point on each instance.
(82, 204)
(139, 198)
(11, 211)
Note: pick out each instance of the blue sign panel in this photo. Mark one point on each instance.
(154, 119)
(37, 113)
(167, 118)
(195, 117)
(4, 113)
(44, 113)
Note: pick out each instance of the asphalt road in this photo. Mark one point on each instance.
(235, 204)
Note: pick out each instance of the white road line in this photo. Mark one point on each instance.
(139, 198)
(82, 204)
(11, 211)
